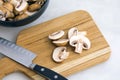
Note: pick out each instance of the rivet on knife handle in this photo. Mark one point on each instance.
(25, 57)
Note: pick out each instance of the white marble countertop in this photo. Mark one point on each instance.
(106, 14)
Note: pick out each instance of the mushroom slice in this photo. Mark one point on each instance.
(86, 43)
(56, 35)
(72, 32)
(76, 42)
(61, 42)
(21, 5)
(60, 54)
(73, 41)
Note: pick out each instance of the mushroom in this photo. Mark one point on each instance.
(21, 5)
(1, 2)
(76, 42)
(6, 12)
(60, 54)
(14, 2)
(86, 43)
(56, 35)
(8, 6)
(2, 16)
(21, 16)
(34, 7)
(61, 42)
(72, 32)
(78, 46)
(30, 13)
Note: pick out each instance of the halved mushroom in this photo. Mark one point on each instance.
(86, 43)
(72, 32)
(61, 42)
(56, 35)
(21, 5)
(60, 54)
(76, 42)
(73, 41)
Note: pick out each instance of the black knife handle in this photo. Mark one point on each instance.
(50, 74)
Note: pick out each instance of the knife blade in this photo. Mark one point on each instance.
(25, 57)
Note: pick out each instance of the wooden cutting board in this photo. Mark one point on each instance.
(36, 39)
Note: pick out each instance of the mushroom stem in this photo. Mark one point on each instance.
(78, 47)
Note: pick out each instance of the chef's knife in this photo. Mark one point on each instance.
(25, 57)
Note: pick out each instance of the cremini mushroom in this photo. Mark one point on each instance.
(21, 16)
(34, 7)
(8, 6)
(56, 35)
(60, 54)
(6, 12)
(61, 42)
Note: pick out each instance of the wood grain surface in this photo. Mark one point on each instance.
(36, 39)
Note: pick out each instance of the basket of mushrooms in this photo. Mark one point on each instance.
(15, 13)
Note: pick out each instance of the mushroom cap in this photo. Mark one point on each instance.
(56, 35)
(59, 54)
(72, 32)
(61, 42)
